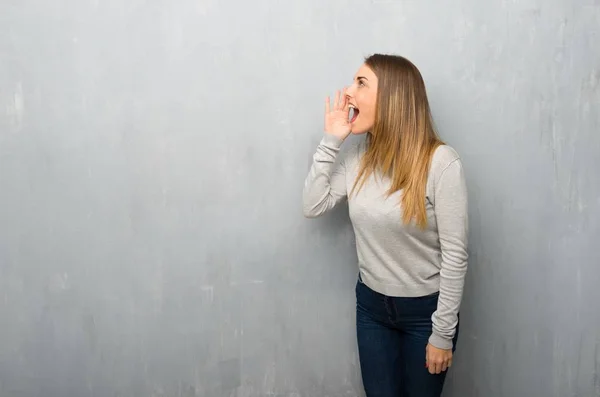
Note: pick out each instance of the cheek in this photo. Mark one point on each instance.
(367, 108)
(370, 113)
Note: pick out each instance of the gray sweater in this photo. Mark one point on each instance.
(396, 259)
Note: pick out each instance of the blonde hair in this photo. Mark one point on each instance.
(403, 139)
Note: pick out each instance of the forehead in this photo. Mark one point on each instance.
(365, 71)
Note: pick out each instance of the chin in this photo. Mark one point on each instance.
(357, 130)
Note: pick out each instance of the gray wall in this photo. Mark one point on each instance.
(152, 156)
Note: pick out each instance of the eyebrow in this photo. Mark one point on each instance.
(362, 77)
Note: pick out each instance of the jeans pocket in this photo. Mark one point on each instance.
(360, 280)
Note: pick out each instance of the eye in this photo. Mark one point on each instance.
(361, 83)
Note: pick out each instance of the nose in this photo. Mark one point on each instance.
(350, 91)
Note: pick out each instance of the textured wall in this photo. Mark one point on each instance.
(152, 156)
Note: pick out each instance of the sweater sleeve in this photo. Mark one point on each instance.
(452, 221)
(325, 185)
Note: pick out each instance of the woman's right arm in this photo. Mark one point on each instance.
(325, 185)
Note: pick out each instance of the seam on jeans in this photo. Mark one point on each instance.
(391, 314)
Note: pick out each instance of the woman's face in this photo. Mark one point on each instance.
(362, 97)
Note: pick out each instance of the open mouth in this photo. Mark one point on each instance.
(353, 113)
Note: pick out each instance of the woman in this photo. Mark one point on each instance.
(407, 201)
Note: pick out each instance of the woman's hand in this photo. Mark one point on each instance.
(336, 119)
(437, 360)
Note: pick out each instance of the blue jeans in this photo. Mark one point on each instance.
(392, 336)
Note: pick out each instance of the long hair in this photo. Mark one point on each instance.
(403, 139)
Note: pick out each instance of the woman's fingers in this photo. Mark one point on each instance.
(340, 101)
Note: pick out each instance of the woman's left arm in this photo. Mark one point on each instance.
(450, 207)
